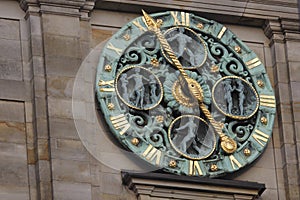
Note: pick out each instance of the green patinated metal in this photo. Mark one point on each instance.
(142, 121)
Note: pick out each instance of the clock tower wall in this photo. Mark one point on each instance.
(48, 59)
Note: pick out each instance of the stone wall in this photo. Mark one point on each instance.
(51, 48)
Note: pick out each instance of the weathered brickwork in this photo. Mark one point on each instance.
(49, 52)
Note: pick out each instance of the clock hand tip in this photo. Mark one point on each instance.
(149, 20)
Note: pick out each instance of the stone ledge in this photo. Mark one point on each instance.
(148, 185)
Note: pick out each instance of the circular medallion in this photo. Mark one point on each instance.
(139, 88)
(235, 97)
(189, 48)
(191, 137)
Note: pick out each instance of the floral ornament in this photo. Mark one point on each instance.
(178, 98)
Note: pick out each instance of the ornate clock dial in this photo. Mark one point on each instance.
(185, 94)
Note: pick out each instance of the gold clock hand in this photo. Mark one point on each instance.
(227, 143)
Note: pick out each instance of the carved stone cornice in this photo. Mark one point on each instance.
(273, 30)
(281, 30)
(291, 29)
(75, 8)
(169, 186)
(30, 7)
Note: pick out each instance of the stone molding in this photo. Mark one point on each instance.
(281, 30)
(74, 8)
(150, 185)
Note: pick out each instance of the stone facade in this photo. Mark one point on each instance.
(49, 52)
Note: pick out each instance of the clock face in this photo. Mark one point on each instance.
(185, 94)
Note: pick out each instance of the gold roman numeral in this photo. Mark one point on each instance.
(137, 24)
(112, 47)
(185, 18)
(120, 122)
(194, 168)
(107, 83)
(221, 33)
(267, 100)
(234, 162)
(260, 137)
(152, 153)
(253, 63)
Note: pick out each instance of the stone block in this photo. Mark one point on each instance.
(9, 29)
(27, 71)
(42, 128)
(294, 71)
(268, 58)
(283, 95)
(278, 53)
(25, 29)
(64, 190)
(10, 50)
(10, 69)
(43, 149)
(278, 158)
(285, 113)
(290, 153)
(44, 171)
(26, 50)
(15, 90)
(32, 176)
(296, 110)
(71, 171)
(261, 175)
(40, 107)
(12, 132)
(31, 154)
(46, 190)
(96, 193)
(61, 25)
(280, 178)
(267, 159)
(99, 36)
(85, 48)
(30, 133)
(28, 111)
(38, 66)
(11, 111)
(13, 165)
(288, 133)
(35, 25)
(292, 173)
(60, 86)
(14, 192)
(295, 91)
(62, 46)
(109, 181)
(62, 65)
(37, 46)
(293, 51)
(96, 174)
(60, 108)
(276, 137)
(68, 150)
(63, 128)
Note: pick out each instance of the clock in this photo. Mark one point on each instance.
(185, 94)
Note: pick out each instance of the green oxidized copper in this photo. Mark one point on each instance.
(144, 117)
